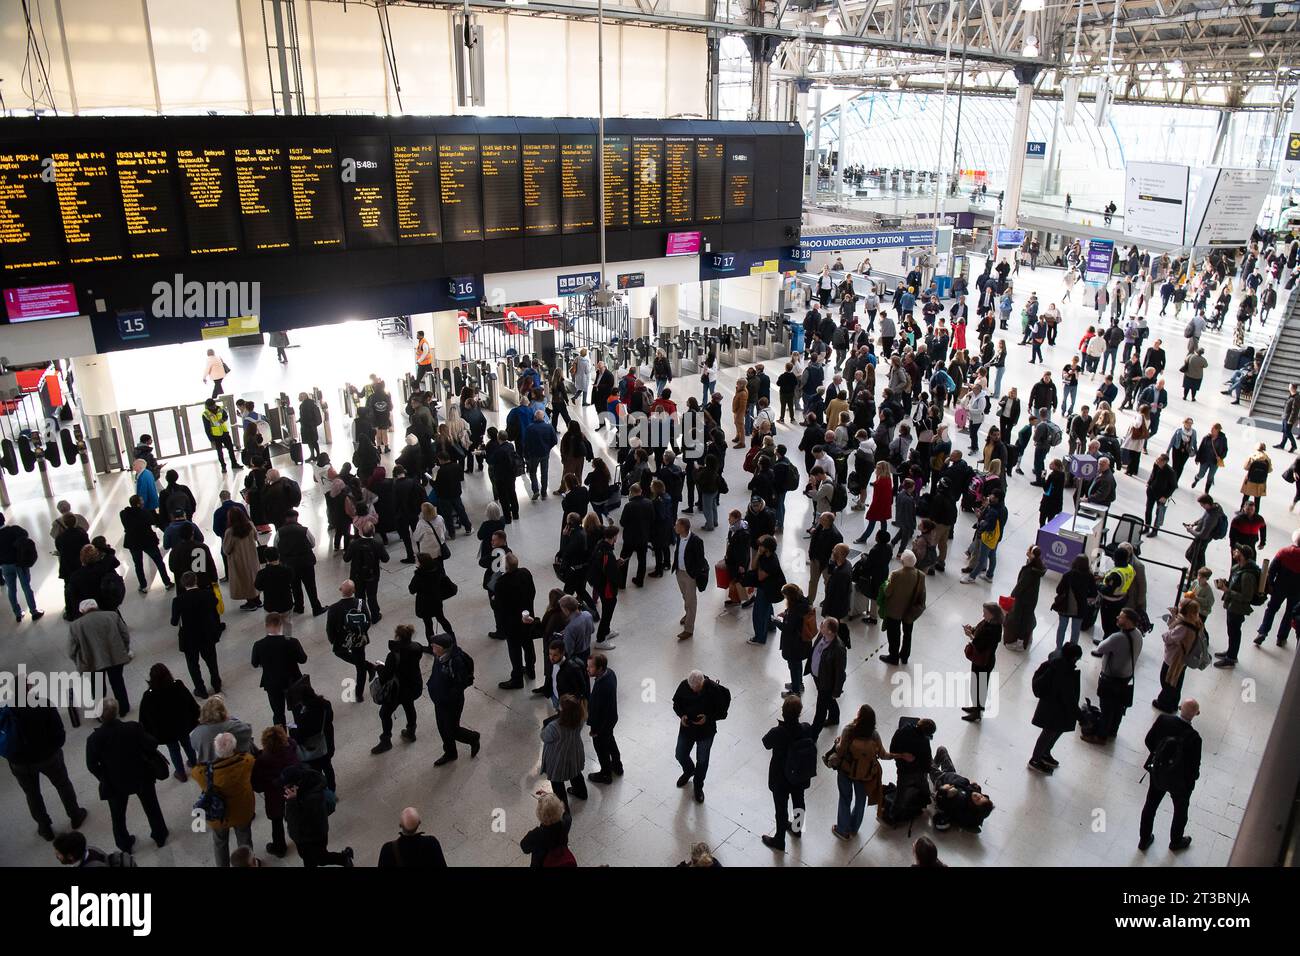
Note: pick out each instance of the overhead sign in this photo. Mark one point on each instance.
(226, 328)
(132, 325)
(577, 283)
(463, 288)
(1101, 253)
(37, 302)
(866, 240)
(1007, 238)
(1227, 210)
(1038, 150)
(1293, 147)
(1031, 177)
(1155, 202)
(631, 280)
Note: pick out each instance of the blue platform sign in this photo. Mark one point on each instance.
(831, 242)
(132, 325)
(463, 288)
(576, 283)
(1036, 150)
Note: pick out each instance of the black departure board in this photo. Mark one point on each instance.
(578, 183)
(208, 199)
(709, 154)
(740, 179)
(314, 192)
(647, 180)
(415, 189)
(679, 179)
(541, 183)
(458, 180)
(502, 212)
(618, 189)
(262, 186)
(85, 186)
(154, 229)
(366, 171)
(30, 235)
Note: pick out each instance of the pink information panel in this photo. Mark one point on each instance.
(683, 244)
(41, 302)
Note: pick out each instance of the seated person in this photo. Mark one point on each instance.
(958, 801)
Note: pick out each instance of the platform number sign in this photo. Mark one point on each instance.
(132, 325)
(724, 262)
(463, 288)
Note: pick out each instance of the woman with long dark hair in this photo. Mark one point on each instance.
(428, 584)
(856, 759)
(240, 548)
(168, 712)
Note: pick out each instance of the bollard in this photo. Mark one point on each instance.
(45, 474)
(4, 491)
(86, 473)
(325, 422)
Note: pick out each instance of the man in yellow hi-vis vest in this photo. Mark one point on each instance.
(217, 424)
(423, 356)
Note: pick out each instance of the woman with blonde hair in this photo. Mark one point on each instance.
(1258, 467)
(430, 532)
(215, 719)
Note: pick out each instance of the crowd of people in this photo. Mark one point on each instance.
(877, 404)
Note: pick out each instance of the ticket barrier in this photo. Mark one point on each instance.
(745, 337)
(728, 346)
(326, 430)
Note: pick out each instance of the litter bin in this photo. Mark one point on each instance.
(796, 337)
(944, 284)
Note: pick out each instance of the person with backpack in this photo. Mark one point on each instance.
(1056, 684)
(365, 555)
(400, 677)
(1174, 764)
(227, 800)
(1258, 467)
(1241, 593)
(856, 758)
(18, 554)
(452, 675)
(790, 770)
(31, 740)
(1185, 645)
(902, 602)
(1212, 525)
(699, 704)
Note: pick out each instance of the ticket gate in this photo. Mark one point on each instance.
(746, 342)
(728, 346)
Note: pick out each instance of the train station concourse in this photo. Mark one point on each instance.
(508, 435)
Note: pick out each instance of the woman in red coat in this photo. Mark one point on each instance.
(881, 508)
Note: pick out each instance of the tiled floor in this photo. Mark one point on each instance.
(1085, 814)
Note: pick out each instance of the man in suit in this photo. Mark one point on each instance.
(512, 600)
(691, 570)
(1174, 765)
(637, 521)
(838, 602)
(278, 657)
(121, 755)
(602, 715)
(827, 664)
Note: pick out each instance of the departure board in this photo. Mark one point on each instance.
(262, 187)
(415, 189)
(366, 169)
(502, 211)
(740, 179)
(314, 192)
(541, 183)
(618, 190)
(459, 165)
(153, 218)
(578, 183)
(709, 154)
(647, 180)
(208, 200)
(29, 230)
(90, 207)
(679, 179)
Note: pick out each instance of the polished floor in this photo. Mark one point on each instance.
(1086, 814)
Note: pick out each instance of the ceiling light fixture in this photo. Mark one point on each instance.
(1256, 53)
(1031, 47)
(893, 84)
(1032, 6)
(831, 27)
(1176, 69)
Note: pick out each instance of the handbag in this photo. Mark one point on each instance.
(313, 748)
(831, 758)
(158, 765)
(221, 604)
(448, 588)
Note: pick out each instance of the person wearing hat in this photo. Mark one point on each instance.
(1239, 590)
(447, 692)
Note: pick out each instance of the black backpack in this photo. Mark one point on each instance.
(1167, 759)
(112, 591)
(365, 561)
(461, 666)
(839, 497)
(26, 552)
(723, 698)
(801, 762)
(788, 476)
(1042, 679)
(1220, 527)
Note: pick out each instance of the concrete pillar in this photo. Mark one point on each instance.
(443, 334)
(668, 308)
(769, 294)
(638, 312)
(815, 118)
(1019, 137)
(94, 378)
